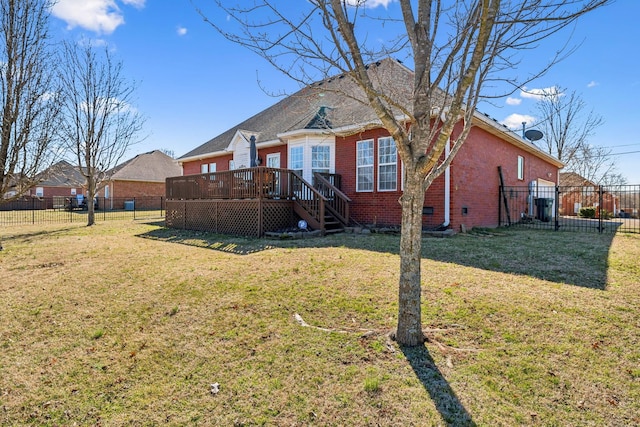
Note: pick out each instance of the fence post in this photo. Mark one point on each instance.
(600, 226)
(134, 208)
(33, 210)
(557, 209)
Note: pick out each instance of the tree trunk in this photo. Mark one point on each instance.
(91, 193)
(409, 331)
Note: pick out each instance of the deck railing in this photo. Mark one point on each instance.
(250, 183)
(262, 183)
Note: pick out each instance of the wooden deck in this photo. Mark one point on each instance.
(253, 201)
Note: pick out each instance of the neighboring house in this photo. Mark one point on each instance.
(318, 129)
(577, 192)
(141, 178)
(59, 182)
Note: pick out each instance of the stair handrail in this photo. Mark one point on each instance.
(308, 198)
(337, 202)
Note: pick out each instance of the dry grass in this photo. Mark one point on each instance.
(129, 324)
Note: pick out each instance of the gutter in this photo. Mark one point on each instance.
(447, 188)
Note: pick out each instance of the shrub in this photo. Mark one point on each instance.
(587, 212)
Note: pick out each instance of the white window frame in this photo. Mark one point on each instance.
(381, 164)
(326, 159)
(213, 167)
(271, 158)
(39, 191)
(204, 168)
(296, 159)
(520, 168)
(370, 166)
(232, 165)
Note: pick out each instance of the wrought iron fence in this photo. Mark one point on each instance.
(58, 209)
(572, 208)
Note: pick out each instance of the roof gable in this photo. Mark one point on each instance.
(62, 174)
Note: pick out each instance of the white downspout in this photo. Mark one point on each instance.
(447, 187)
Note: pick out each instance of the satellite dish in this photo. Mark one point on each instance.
(533, 134)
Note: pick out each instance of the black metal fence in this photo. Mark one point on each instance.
(572, 208)
(50, 210)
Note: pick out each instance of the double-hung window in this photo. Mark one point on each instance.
(320, 159)
(387, 165)
(364, 165)
(296, 159)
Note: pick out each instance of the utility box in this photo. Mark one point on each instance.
(129, 205)
(543, 209)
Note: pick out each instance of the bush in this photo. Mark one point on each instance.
(587, 212)
(605, 214)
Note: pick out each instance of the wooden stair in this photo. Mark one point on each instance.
(332, 225)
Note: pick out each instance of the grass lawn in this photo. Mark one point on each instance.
(127, 323)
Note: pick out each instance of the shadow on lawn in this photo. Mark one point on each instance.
(575, 258)
(451, 410)
(218, 242)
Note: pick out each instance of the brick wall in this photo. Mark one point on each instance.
(475, 180)
(222, 162)
(56, 191)
(380, 207)
(194, 167)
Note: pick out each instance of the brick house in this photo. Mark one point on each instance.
(141, 178)
(57, 183)
(318, 129)
(578, 192)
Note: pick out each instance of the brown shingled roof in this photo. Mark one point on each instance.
(341, 100)
(154, 166)
(62, 174)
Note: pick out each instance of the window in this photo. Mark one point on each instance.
(320, 159)
(520, 167)
(364, 166)
(232, 165)
(212, 167)
(73, 191)
(273, 160)
(296, 159)
(106, 191)
(387, 165)
(204, 168)
(39, 192)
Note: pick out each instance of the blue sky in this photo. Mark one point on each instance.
(193, 84)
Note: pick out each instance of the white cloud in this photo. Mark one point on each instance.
(514, 121)
(592, 83)
(138, 4)
(369, 3)
(540, 93)
(513, 101)
(100, 16)
(181, 31)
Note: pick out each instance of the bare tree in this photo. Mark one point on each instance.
(566, 125)
(459, 51)
(99, 120)
(28, 97)
(595, 164)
